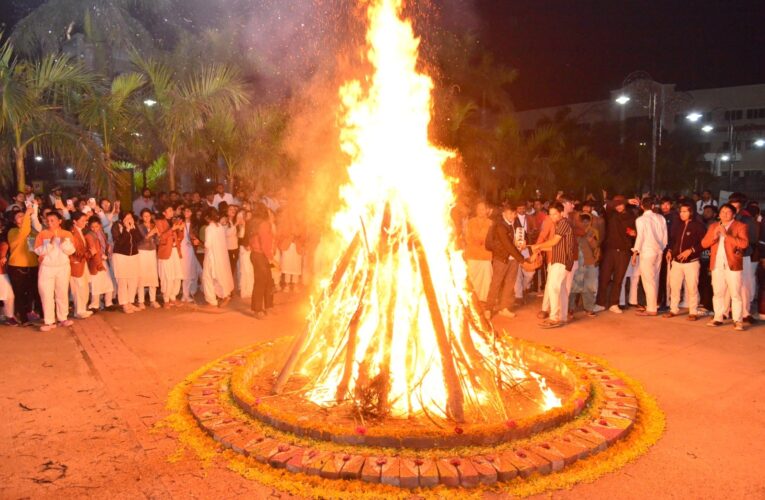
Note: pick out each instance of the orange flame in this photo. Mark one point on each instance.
(404, 274)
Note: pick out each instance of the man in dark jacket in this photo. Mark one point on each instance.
(619, 238)
(505, 259)
(683, 260)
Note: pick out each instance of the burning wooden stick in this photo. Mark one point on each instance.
(297, 347)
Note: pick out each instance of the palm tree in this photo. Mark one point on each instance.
(37, 99)
(250, 142)
(179, 106)
(113, 117)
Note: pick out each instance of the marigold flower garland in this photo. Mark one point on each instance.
(646, 432)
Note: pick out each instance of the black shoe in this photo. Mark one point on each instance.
(750, 320)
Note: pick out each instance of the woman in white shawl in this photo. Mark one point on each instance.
(191, 270)
(217, 280)
(244, 272)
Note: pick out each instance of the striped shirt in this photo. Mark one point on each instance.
(566, 250)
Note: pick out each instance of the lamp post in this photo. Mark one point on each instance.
(644, 90)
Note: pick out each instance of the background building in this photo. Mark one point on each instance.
(726, 124)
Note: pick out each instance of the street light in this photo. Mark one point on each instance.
(659, 100)
(39, 158)
(759, 143)
(725, 158)
(150, 102)
(707, 129)
(694, 116)
(69, 170)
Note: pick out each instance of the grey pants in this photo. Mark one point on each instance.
(502, 288)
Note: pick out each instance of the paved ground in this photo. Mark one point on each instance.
(78, 405)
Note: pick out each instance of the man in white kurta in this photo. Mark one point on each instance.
(217, 280)
(649, 245)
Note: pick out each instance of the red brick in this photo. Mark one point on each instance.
(621, 410)
(371, 470)
(390, 472)
(264, 450)
(280, 459)
(520, 461)
(469, 477)
(546, 451)
(409, 475)
(608, 431)
(313, 461)
(541, 465)
(570, 450)
(295, 463)
(506, 471)
(597, 441)
(487, 474)
(352, 467)
(447, 472)
(332, 467)
(428, 472)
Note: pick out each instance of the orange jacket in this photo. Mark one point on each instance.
(168, 238)
(736, 241)
(79, 259)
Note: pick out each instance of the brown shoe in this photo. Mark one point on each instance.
(692, 317)
(669, 314)
(543, 315)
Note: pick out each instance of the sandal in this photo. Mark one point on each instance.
(550, 324)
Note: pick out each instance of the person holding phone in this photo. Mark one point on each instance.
(148, 276)
(53, 247)
(126, 261)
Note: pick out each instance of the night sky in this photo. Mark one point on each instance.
(578, 50)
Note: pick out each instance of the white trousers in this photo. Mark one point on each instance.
(80, 292)
(557, 283)
(479, 272)
(684, 273)
(190, 287)
(53, 285)
(126, 290)
(650, 267)
(748, 285)
(727, 281)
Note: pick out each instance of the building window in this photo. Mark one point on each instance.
(734, 114)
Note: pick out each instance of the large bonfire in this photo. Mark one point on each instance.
(396, 330)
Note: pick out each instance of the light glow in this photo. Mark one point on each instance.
(707, 129)
(622, 99)
(694, 116)
(376, 317)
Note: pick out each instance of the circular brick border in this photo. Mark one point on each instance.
(617, 416)
(469, 435)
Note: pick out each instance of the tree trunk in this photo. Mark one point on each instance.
(171, 170)
(20, 173)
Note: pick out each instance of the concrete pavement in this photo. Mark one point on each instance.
(78, 405)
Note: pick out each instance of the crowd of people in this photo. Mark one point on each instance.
(77, 256)
(655, 255)
(92, 255)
